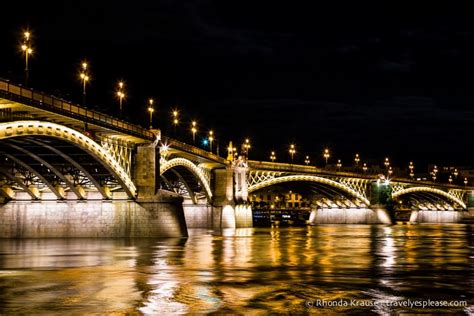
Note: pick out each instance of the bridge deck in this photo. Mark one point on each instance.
(17, 103)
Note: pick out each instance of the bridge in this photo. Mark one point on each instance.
(71, 171)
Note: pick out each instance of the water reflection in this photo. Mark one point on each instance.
(239, 271)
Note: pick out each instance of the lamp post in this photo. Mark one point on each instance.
(339, 164)
(175, 114)
(151, 110)
(455, 173)
(292, 151)
(120, 95)
(465, 181)
(411, 166)
(211, 139)
(326, 155)
(364, 167)
(307, 161)
(434, 173)
(272, 156)
(85, 78)
(194, 130)
(390, 171)
(357, 159)
(450, 179)
(246, 147)
(26, 48)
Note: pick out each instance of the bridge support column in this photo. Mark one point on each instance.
(436, 216)
(164, 209)
(470, 203)
(381, 201)
(229, 211)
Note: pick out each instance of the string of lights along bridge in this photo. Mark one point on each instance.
(210, 137)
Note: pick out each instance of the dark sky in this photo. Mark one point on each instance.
(394, 80)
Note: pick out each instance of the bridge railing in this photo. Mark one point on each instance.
(171, 142)
(56, 105)
(287, 167)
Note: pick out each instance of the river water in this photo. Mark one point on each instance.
(372, 269)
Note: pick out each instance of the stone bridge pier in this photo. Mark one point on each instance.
(229, 207)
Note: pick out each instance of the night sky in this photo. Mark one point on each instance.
(396, 81)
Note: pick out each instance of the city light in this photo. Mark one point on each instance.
(120, 95)
(175, 118)
(434, 173)
(364, 167)
(211, 139)
(292, 151)
(357, 159)
(306, 160)
(272, 156)
(151, 110)
(326, 155)
(27, 50)
(85, 77)
(194, 130)
(246, 147)
(339, 164)
(411, 166)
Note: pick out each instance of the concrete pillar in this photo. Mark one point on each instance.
(320, 215)
(230, 210)
(381, 200)
(147, 170)
(223, 199)
(161, 206)
(470, 202)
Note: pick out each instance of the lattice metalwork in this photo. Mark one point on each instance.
(341, 186)
(429, 190)
(121, 151)
(37, 128)
(256, 177)
(358, 185)
(195, 170)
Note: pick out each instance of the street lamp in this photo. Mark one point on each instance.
(307, 161)
(455, 173)
(386, 162)
(194, 130)
(364, 167)
(85, 78)
(411, 166)
(465, 181)
(272, 156)
(434, 173)
(292, 151)
(357, 159)
(339, 164)
(211, 139)
(450, 179)
(26, 48)
(246, 146)
(390, 171)
(326, 155)
(151, 110)
(175, 119)
(120, 95)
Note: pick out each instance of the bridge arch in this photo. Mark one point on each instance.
(18, 129)
(308, 178)
(429, 190)
(189, 165)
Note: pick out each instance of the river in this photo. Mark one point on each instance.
(372, 269)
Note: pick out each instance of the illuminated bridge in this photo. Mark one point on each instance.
(71, 171)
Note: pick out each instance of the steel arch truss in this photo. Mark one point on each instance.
(199, 174)
(453, 195)
(308, 178)
(57, 167)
